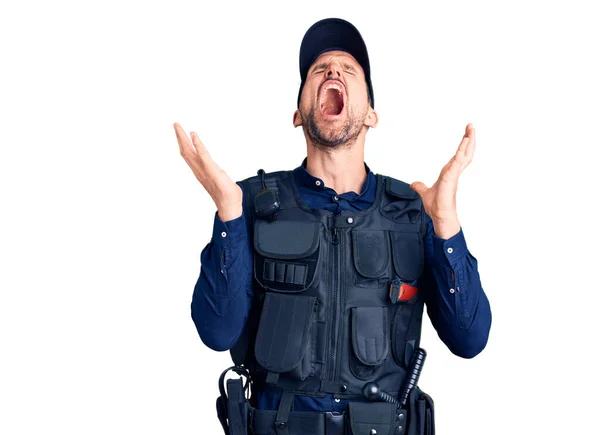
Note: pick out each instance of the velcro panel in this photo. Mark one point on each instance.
(370, 334)
(283, 331)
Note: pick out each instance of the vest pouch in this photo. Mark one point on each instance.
(421, 419)
(370, 340)
(283, 340)
(408, 258)
(286, 254)
(403, 345)
(407, 255)
(368, 418)
(371, 257)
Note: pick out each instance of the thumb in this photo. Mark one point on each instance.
(419, 187)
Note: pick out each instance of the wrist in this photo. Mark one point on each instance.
(229, 212)
(446, 228)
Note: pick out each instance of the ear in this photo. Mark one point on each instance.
(297, 118)
(372, 118)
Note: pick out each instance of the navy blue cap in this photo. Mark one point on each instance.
(333, 34)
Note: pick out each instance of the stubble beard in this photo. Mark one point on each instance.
(342, 137)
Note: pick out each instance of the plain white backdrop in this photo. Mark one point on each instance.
(102, 222)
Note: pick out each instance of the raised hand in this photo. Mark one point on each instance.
(439, 200)
(226, 194)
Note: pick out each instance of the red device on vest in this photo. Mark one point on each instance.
(401, 292)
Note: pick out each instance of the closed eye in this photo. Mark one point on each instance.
(319, 68)
(349, 69)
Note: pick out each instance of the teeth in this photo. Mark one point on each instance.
(332, 85)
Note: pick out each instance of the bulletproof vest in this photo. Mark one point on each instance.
(322, 319)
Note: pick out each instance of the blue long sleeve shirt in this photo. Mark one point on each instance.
(456, 303)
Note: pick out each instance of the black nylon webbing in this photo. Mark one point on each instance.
(236, 412)
(283, 413)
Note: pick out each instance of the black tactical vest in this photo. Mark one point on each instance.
(322, 319)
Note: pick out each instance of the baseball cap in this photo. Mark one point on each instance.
(333, 34)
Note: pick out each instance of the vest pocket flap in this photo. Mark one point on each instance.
(370, 249)
(404, 204)
(370, 334)
(407, 254)
(286, 239)
(372, 418)
(284, 331)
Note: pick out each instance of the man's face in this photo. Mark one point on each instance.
(335, 101)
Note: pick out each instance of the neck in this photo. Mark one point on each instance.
(342, 169)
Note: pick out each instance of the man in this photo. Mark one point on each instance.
(316, 278)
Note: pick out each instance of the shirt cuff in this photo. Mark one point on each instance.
(450, 250)
(229, 233)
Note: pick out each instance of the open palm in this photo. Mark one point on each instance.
(439, 200)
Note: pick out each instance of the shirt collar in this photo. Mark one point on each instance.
(305, 178)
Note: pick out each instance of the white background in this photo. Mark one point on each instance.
(102, 221)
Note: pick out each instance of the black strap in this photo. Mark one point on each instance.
(272, 378)
(283, 413)
(223, 401)
(332, 387)
(237, 412)
(242, 371)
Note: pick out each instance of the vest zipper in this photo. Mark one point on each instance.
(332, 354)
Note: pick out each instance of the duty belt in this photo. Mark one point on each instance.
(413, 414)
(361, 418)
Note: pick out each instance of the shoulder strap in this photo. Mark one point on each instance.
(401, 189)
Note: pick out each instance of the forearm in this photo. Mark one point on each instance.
(456, 303)
(223, 292)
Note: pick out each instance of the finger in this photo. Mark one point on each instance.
(471, 148)
(451, 170)
(464, 142)
(419, 187)
(465, 150)
(177, 127)
(185, 145)
(466, 155)
(200, 148)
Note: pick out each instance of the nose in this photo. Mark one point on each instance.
(333, 70)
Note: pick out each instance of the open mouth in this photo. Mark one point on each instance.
(332, 98)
